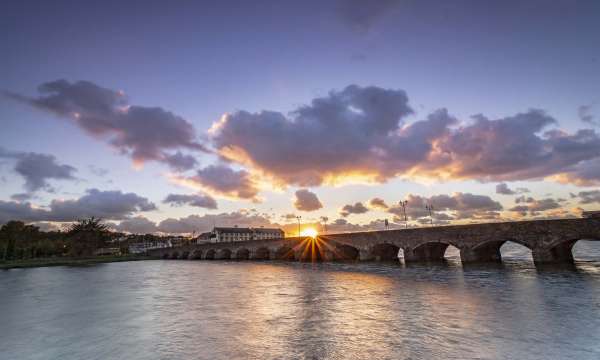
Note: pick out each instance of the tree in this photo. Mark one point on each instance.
(86, 236)
(16, 236)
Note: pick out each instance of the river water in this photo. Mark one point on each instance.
(168, 309)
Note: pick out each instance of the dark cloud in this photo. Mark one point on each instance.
(457, 206)
(110, 205)
(21, 196)
(357, 208)
(180, 162)
(589, 197)
(197, 200)
(585, 173)
(37, 169)
(352, 132)
(503, 189)
(378, 203)
(307, 201)
(289, 217)
(361, 15)
(223, 180)
(511, 148)
(144, 133)
(361, 133)
(534, 207)
(136, 225)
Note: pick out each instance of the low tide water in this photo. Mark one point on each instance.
(167, 309)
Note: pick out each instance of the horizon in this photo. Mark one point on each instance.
(174, 119)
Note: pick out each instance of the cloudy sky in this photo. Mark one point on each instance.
(174, 117)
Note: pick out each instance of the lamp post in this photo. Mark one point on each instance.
(429, 208)
(298, 218)
(403, 204)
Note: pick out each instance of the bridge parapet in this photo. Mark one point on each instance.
(549, 241)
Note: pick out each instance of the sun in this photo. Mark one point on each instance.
(311, 232)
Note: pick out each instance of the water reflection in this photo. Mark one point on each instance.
(279, 310)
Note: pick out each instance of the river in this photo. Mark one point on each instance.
(168, 309)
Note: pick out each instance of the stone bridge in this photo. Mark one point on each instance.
(550, 241)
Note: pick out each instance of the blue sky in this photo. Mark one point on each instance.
(200, 60)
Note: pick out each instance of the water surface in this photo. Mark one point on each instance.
(167, 309)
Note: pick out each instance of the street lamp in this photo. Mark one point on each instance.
(429, 208)
(298, 218)
(403, 204)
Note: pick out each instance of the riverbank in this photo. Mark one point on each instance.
(29, 263)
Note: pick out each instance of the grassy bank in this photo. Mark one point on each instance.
(60, 261)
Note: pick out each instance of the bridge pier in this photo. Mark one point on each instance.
(429, 252)
(365, 255)
(486, 253)
(560, 254)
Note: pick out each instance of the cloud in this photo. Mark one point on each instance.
(378, 203)
(585, 173)
(198, 200)
(21, 196)
(144, 133)
(511, 148)
(348, 133)
(109, 205)
(361, 134)
(534, 207)
(37, 169)
(225, 181)
(240, 218)
(457, 206)
(307, 201)
(585, 114)
(589, 197)
(503, 189)
(361, 16)
(357, 208)
(136, 225)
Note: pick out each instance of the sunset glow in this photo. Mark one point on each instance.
(311, 232)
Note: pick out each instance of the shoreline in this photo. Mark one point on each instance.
(87, 261)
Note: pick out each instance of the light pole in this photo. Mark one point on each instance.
(403, 204)
(429, 208)
(298, 218)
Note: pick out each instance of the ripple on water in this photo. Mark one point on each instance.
(227, 310)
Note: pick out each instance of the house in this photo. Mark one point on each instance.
(229, 234)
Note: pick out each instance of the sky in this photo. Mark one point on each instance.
(174, 117)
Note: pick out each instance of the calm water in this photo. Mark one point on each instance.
(169, 309)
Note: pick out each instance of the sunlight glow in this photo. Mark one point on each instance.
(312, 232)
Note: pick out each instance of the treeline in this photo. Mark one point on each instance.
(83, 238)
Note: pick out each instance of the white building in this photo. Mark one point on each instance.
(230, 234)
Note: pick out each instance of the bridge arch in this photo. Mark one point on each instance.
(184, 255)
(175, 255)
(262, 253)
(210, 254)
(586, 249)
(343, 252)
(432, 251)
(285, 253)
(223, 254)
(384, 252)
(196, 255)
(242, 254)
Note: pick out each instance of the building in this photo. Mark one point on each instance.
(230, 234)
(203, 238)
(591, 214)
